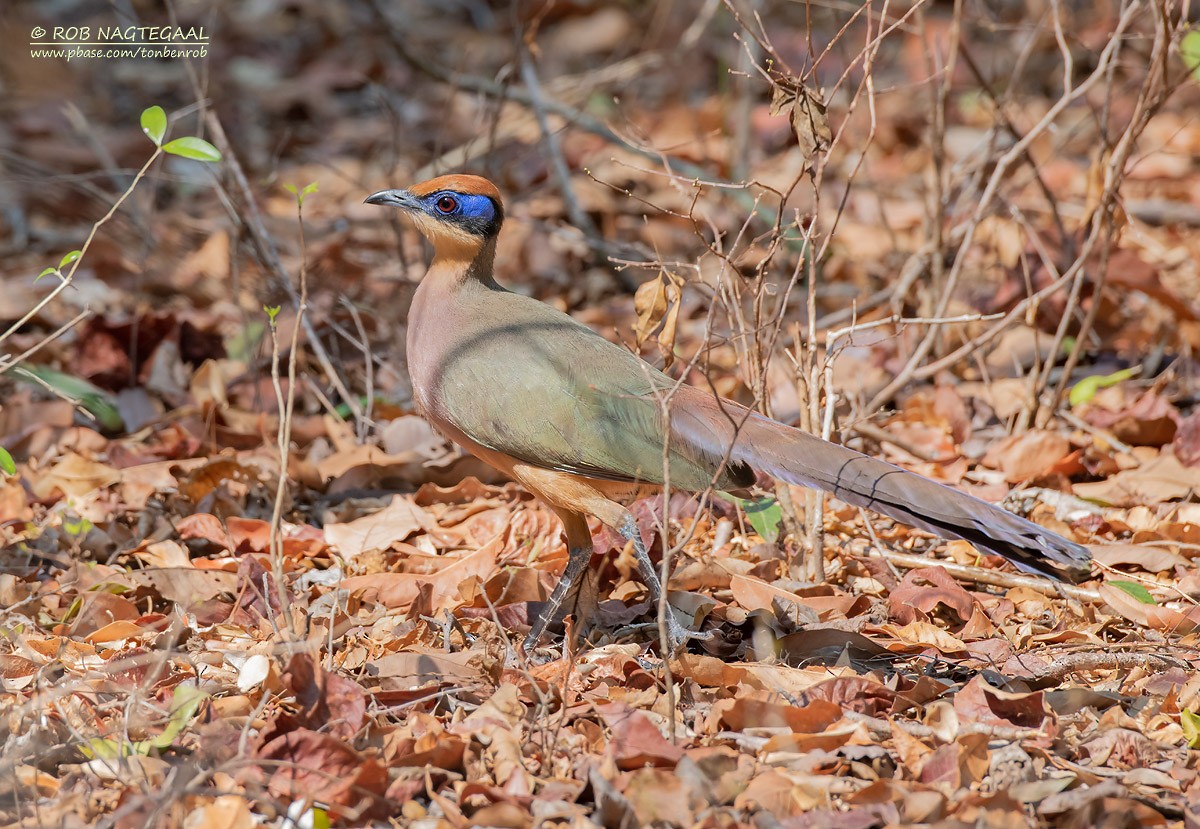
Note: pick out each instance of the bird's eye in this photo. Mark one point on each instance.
(447, 204)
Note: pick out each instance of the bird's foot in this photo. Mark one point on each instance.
(534, 655)
(677, 635)
(536, 658)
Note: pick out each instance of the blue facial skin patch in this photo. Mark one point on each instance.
(474, 213)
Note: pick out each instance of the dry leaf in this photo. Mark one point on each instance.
(1158, 617)
(1162, 479)
(636, 741)
(75, 476)
(1027, 455)
(395, 522)
(806, 111)
(940, 589)
(400, 590)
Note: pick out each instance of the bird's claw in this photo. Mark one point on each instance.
(678, 636)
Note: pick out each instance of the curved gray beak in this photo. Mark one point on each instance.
(393, 198)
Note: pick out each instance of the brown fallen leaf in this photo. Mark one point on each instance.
(636, 741)
(961, 763)
(830, 739)
(248, 534)
(328, 701)
(780, 793)
(707, 671)
(395, 522)
(1149, 558)
(745, 712)
(980, 702)
(424, 743)
(228, 811)
(1187, 440)
(1162, 479)
(400, 590)
(203, 525)
(1025, 456)
(1149, 420)
(74, 476)
(319, 767)
(411, 668)
(186, 585)
(926, 588)
(755, 594)
(16, 672)
(1156, 616)
(660, 798)
(856, 693)
(117, 631)
(921, 635)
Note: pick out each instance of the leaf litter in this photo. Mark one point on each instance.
(159, 663)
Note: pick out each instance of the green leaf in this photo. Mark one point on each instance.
(192, 147)
(69, 258)
(1136, 590)
(108, 586)
(243, 344)
(154, 124)
(1190, 721)
(7, 465)
(311, 187)
(47, 272)
(184, 704)
(72, 610)
(77, 527)
(101, 404)
(1086, 389)
(104, 749)
(104, 407)
(342, 410)
(1189, 50)
(272, 312)
(764, 515)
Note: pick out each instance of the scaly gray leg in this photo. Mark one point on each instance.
(677, 634)
(577, 563)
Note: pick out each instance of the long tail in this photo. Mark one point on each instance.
(802, 459)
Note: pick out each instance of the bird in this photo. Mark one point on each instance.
(584, 423)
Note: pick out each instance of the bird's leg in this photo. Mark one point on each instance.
(577, 563)
(677, 634)
(579, 550)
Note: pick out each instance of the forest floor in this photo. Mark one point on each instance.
(195, 632)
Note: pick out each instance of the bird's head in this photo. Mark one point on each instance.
(459, 214)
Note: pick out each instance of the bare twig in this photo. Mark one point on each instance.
(578, 217)
(284, 438)
(70, 274)
(1102, 660)
(996, 578)
(999, 175)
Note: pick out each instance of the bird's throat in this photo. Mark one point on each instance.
(458, 264)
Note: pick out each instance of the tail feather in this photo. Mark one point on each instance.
(802, 459)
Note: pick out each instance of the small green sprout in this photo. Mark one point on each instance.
(311, 187)
(154, 124)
